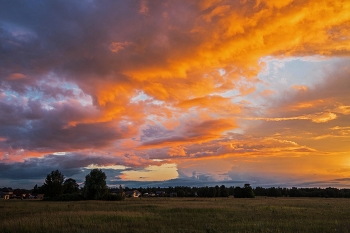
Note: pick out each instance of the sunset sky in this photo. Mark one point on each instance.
(176, 92)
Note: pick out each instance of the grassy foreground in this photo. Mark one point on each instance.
(178, 215)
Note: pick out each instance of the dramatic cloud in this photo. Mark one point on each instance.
(175, 88)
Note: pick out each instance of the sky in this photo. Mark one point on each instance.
(160, 93)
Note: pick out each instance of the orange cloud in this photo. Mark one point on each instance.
(177, 151)
(16, 76)
(217, 11)
(143, 7)
(214, 103)
(175, 82)
(193, 132)
(317, 118)
(238, 37)
(300, 88)
(117, 46)
(274, 3)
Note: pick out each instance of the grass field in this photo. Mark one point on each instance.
(178, 215)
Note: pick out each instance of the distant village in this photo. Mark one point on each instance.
(9, 193)
(183, 191)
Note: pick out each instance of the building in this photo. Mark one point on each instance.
(6, 193)
(134, 193)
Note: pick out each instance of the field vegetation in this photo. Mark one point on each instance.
(164, 214)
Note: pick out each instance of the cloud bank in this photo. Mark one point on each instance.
(204, 86)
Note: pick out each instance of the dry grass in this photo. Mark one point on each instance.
(178, 215)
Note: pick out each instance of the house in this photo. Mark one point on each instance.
(6, 193)
(29, 196)
(160, 194)
(133, 193)
(19, 193)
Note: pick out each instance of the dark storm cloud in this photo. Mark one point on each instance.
(69, 164)
(61, 36)
(32, 127)
(74, 36)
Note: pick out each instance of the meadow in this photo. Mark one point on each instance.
(178, 215)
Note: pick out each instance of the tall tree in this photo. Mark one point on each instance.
(70, 186)
(54, 184)
(223, 191)
(248, 191)
(35, 190)
(95, 185)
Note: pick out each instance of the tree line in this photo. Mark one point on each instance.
(57, 187)
(302, 192)
(248, 192)
(217, 191)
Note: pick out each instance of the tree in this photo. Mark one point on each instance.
(35, 190)
(211, 192)
(248, 191)
(53, 185)
(70, 186)
(231, 190)
(223, 191)
(238, 192)
(217, 191)
(180, 193)
(95, 185)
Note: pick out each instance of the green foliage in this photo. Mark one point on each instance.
(53, 185)
(95, 185)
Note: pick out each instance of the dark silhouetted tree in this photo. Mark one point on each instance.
(223, 191)
(248, 191)
(238, 191)
(70, 186)
(53, 185)
(211, 192)
(231, 190)
(95, 185)
(180, 193)
(35, 190)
